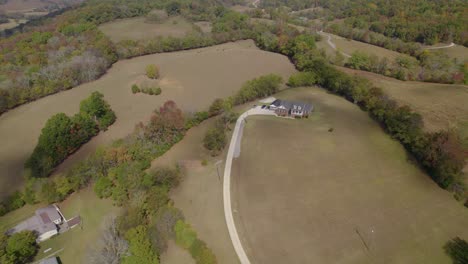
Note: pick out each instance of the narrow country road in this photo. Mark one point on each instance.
(442, 47)
(255, 3)
(234, 151)
(331, 44)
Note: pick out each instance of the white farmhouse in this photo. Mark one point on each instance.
(44, 222)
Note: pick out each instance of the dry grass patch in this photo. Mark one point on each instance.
(349, 46)
(205, 26)
(193, 79)
(460, 53)
(306, 195)
(441, 105)
(139, 29)
(13, 23)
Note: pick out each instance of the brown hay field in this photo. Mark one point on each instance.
(139, 29)
(25, 6)
(303, 194)
(193, 79)
(441, 105)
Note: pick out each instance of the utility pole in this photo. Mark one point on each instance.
(217, 169)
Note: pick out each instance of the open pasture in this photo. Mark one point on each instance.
(139, 29)
(441, 105)
(349, 46)
(193, 79)
(303, 194)
(458, 52)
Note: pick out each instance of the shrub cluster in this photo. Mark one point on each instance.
(187, 238)
(152, 71)
(215, 139)
(457, 249)
(258, 88)
(146, 90)
(19, 248)
(62, 134)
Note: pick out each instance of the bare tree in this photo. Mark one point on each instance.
(113, 247)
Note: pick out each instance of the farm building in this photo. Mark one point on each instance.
(292, 109)
(44, 223)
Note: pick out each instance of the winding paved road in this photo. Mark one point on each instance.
(234, 152)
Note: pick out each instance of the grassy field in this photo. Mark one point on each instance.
(441, 105)
(193, 79)
(13, 23)
(306, 195)
(80, 240)
(139, 29)
(458, 52)
(199, 196)
(350, 46)
(205, 26)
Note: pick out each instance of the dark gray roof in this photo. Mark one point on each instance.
(33, 224)
(41, 222)
(49, 261)
(48, 214)
(293, 105)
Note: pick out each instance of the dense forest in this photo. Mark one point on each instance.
(423, 21)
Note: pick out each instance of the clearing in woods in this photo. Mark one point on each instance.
(441, 105)
(193, 79)
(346, 196)
(349, 46)
(458, 52)
(139, 29)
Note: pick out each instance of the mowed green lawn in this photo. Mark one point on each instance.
(303, 194)
(77, 242)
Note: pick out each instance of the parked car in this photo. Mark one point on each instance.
(263, 106)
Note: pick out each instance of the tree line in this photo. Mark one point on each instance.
(63, 135)
(422, 21)
(215, 138)
(428, 66)
(439, 153)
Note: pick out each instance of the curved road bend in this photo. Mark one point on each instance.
(441, 47)
(234, 151)
(331, 44)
